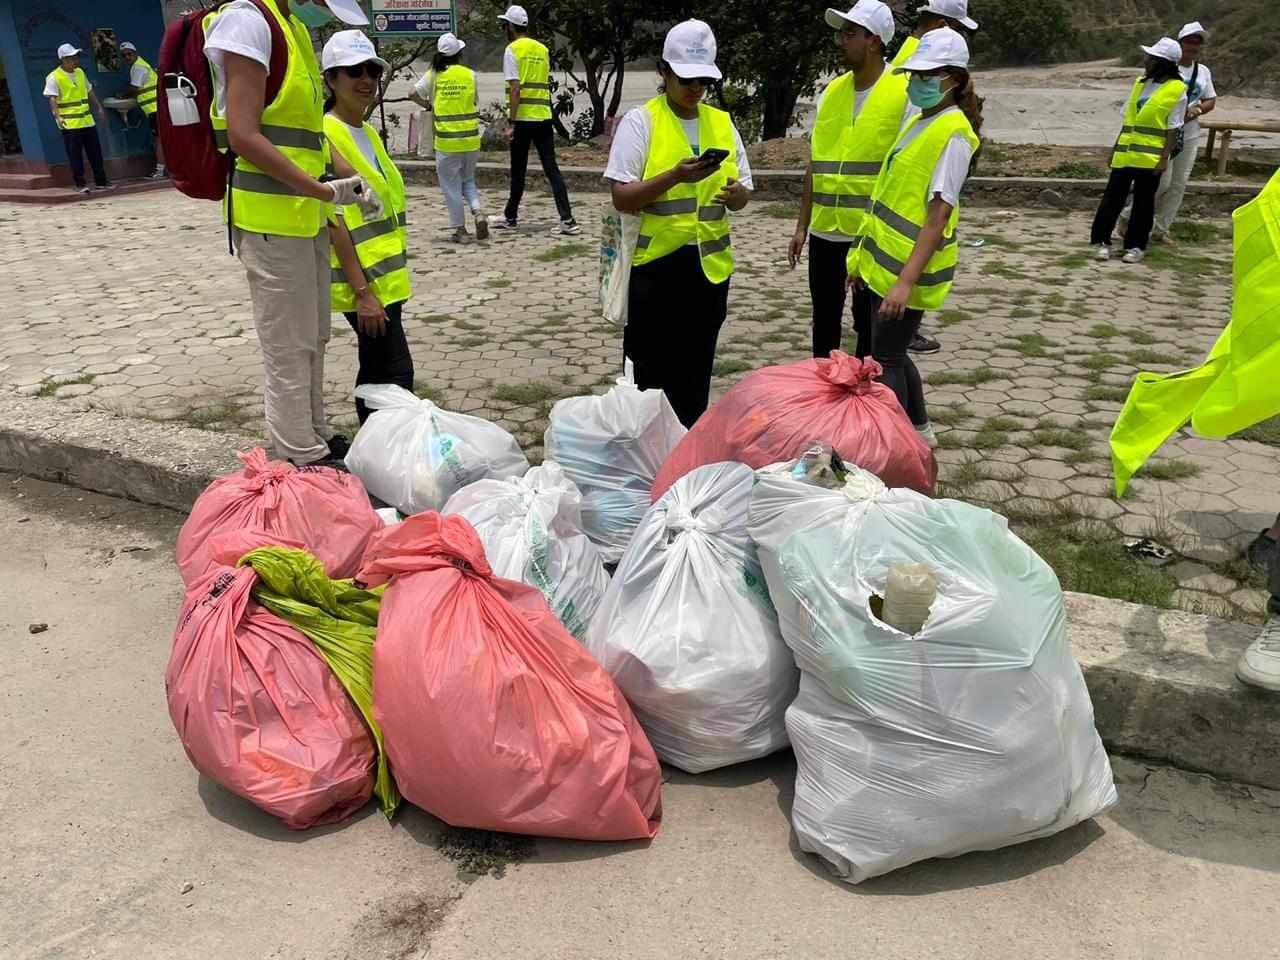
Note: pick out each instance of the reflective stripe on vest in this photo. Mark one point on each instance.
(380, 244)
(294, 123)
(73, 99)
(898, 213)
(453, 104)
(147, 92)
(1142, 139)
(534, 67)
(846, 154)
(688, 212)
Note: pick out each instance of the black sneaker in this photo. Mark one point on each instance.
(1262, 553)
(502, 223)
(339, 446)
(922, 344)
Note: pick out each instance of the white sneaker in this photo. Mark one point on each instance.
(1259, 665)
(928, 436)
(570, 228)
(1104, 252)
(1134, 256)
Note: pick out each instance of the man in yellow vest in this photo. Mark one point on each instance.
(859, 117)
(72, 101)
(277, 204)
(142, 86)
(526, 68)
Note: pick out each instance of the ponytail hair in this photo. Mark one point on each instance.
(966, 98)
(1162, 70)
(330, 98)
(440, 63)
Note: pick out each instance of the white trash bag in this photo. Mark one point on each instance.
(415, 455)
(972, 734)
(611, 446)
(687, 630)
(531, 528)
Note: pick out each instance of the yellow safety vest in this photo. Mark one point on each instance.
(846, 154)
(899, 208)
(906, 51)
(688, 212)
(457, 125)
(294, 123)
(1142, 138)
(147, 92)
(73, 99)
(534, 66)
(381, 245)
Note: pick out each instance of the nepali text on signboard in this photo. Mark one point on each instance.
(412, 18)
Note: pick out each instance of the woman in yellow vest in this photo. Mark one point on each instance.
(662, 168)
(1156, 109)
(369, 256)
(907, 259)
(448, 90)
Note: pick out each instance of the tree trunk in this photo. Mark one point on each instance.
(779, 105)
(596, 96)
(619, 74)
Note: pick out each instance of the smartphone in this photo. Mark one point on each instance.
(714, 156)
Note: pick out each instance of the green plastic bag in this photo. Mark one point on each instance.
(341, 619)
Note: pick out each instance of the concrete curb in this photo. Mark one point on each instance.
(1162, 682)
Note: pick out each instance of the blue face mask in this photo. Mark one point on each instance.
(314, 14)
(924, 92)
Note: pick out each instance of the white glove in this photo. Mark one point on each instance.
(356, 190)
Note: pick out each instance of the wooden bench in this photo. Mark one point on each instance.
(1228, 127)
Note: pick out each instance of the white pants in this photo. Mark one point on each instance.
(1173, 187)
(457, 174)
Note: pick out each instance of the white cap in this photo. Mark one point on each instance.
(952, 10)
(1192, 29)
(346, 48)
(1166, 48)
(448, 44)
(869, 14)
(943, 47)
(67, 50)
(690, 50)
(515, 14)
(348, 11)
(128, 46)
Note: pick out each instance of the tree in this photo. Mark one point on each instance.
(1015, 31)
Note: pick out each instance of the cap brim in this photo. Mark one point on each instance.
(969, 23)
(77, 50)
(691, 70)
(835, 19)
(348, 11)
(920, 65)
(352, 60)
(1153, 52)
(515, 23)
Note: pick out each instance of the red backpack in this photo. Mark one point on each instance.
(195, 164)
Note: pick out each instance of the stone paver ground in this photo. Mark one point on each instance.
(132, 304)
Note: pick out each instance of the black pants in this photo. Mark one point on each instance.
(827, 275)
(887, 341)
(78, 143)
(154, 120)
(383, 359)
(674, 315)
(543, 136)
(1143, 183)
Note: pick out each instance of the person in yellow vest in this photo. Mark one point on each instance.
(73, 102)
(448, 89)
(142, 86)
(276, 206)
(662, 169)
(369, 258)
(906, 261)
(526, 68)
(1154, 112)
(858, 119)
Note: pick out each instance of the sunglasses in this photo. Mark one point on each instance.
(690, 81)
(371, 70)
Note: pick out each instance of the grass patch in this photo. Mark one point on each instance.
(969, 378)
(424, 392)
(989, 437)
(779, 211)
(481, 852)
(1074, 261)
(1198, 231)
(1055, 300)
(962, 478)
(1268, 432)
(206, 417)
(462, 323)
(1050, 434)
(950, 415)
(1089, 557)
(526, 394)
(1141, 338)
(498, 283)
(728, 366)
(1140, 357)
(433, 318)
(1102, 391)
(1103, 331)
(1170, 470)
(1087, 454)
(1102, 361)
(1030, 344)
(999, 269)
(466, 343)
(52, 385)
(1075, 170)
(948, 318)
(563, 251)
(1021, 313)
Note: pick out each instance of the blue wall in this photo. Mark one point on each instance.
(31, 32)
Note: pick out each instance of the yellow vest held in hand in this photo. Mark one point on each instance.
(846, 154)
(73, 99)
(147, 92)
(453, 104)
(1142, 138)
(294, 123)
(688, 212)
(899, 208)
(381, 245)
(534, 66)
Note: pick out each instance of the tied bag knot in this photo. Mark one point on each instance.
(843, 370)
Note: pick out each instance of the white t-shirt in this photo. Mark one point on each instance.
(953, 166)
(1177, 116)
(630, 150)
(1203, 90)
(510, 69)
(361, 136)
(426, 86)
(51, 85)
(138, 75)
(239, 28)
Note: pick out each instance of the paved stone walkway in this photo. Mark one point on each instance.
(132, 304)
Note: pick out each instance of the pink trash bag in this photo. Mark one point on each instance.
(327, 510)
(492, 715)
(257, 708)
(776, 413)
